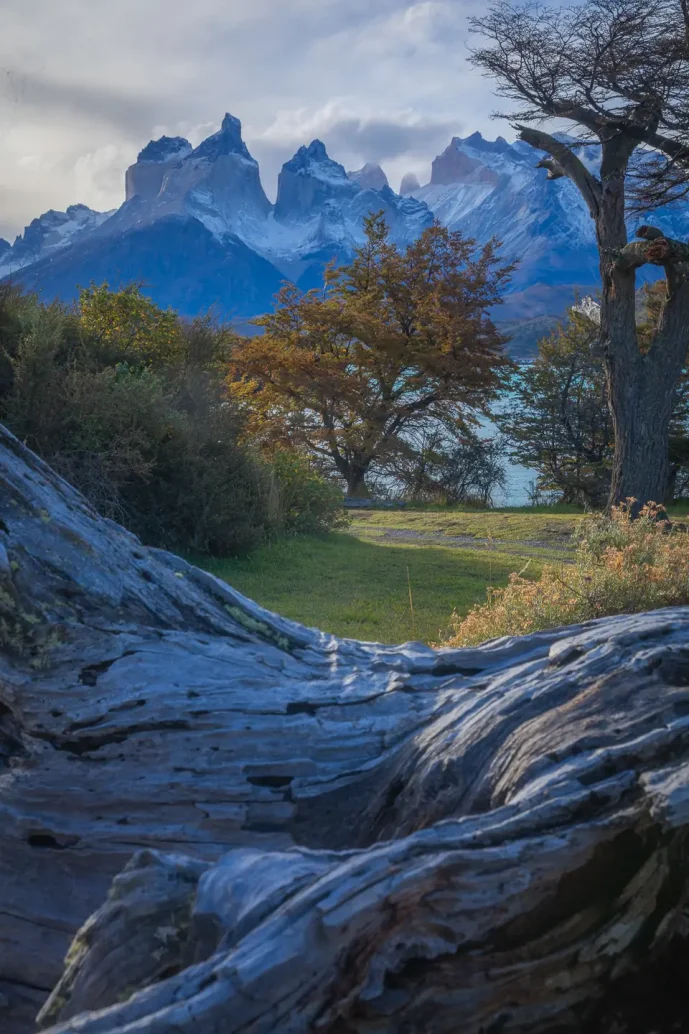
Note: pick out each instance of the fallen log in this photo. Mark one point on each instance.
(276, 830)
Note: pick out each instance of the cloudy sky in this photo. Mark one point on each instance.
(84, 84)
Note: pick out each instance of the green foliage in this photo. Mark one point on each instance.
(440, 467)
(557, 420)
(304, 501)
(128, 326)
(128, 403)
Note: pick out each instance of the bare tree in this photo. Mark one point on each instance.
(618, 70)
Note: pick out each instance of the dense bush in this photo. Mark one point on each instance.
(621, 566)
(128, 403)
(303, 500)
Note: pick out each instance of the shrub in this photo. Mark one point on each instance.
(206, 492)
(153, 446)
(128, 403)
(621, 566)
(303, 501)
(445, 467)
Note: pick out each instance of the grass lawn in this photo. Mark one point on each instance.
(356, 584)
(545, 528)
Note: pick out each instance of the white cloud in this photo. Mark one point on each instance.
(84, 85)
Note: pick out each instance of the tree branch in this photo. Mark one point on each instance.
(656, 251)
(566, 161)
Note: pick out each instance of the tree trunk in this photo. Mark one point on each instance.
(641, 409)
(641, 387)
(322, 835)
(356, 481)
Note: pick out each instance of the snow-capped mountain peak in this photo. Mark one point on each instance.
(51, 232)
(314, 160)
(197, 226)
(308, 180)
(164, 149)
(457, 165)
(228, 140)
(145, 178)
(491, 188)
(370, 177)
(217, 183)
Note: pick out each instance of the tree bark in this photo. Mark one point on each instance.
(319, 834)
(641, 387)
(642, 410)
(356, 481)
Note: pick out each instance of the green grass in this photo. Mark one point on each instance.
(356, 583)
(356, 588)
(548, 527)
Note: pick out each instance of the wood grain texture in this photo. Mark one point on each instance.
(317, 834)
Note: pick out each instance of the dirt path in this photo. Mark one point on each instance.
(432, 538)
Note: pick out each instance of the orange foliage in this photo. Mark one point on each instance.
(393, 339)
(622, 566)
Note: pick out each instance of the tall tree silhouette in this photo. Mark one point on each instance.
(618, 72)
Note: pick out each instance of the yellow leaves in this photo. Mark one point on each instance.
(130, 323)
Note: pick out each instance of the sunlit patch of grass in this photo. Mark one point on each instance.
(360, 589)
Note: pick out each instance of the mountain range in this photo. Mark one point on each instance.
(197, 229)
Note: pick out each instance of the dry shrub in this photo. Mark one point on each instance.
(622, 565)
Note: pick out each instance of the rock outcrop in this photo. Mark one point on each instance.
(370, 177)
(145, 178)
(410, 183)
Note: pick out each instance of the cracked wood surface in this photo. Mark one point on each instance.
(318, 834)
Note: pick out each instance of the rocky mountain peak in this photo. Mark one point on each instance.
(50, 232)
(308, 180)
(228, 140)
(410, 183)
(455, 165)
(370, 177)
(164, 149)
(145, 178)
(479, 143)
(308, 157)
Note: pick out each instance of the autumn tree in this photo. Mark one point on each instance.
(394, 339)
(618, 72)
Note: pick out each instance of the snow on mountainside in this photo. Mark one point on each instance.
(492, 189)
(370, 176)
(208, 202)
(320, 210)
(51, 232)
(318, 213)
(213, 193)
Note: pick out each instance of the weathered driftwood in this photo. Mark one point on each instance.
(320, 835)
